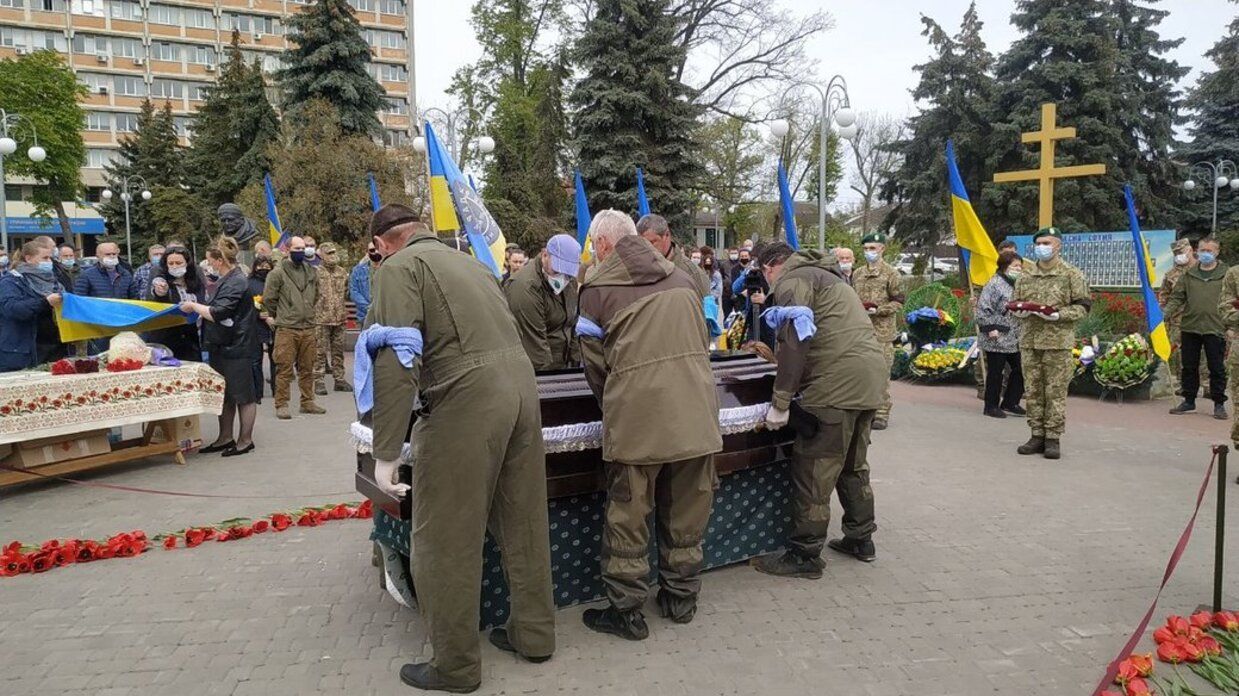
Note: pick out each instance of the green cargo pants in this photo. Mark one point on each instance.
(480, 464)
(836, 459)
(681, 494)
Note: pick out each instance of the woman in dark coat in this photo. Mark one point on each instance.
(28, 294)
(176, 279)
(229, 336)
(266, 337)
(998, 336)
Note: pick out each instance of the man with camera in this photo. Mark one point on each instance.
(830, 381)
(881, 291)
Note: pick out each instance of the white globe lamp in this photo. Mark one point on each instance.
(780, 128)
(7, 146)
(486, 144)
(36, 154)
(845, 117)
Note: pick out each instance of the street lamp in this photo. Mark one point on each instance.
(7, 147)
(126, 195)
(836, 107)
(1223, 173)
(484, 144)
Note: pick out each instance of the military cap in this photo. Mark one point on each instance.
(392, 215)
(1048, 232)
(874, 238)
(1180, 246)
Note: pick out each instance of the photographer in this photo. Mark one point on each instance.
(749, 291)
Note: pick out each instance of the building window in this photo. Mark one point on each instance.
(123, 9)
(387, 72)
(85, 43)
(395, 138)
(258, 25)
(168, 89)
(392, 7)
(49, 5)
(129, 86)
(198, 91)
(127, 48)
(181, 124)
(98, 159)
(362, 5)
(50, 40)
(86, 7)
(198, 19)
(94, 81)
(13, 3)
(387, 39)
(166, 51)
(98, 121)
(126, 123)
(164, 14)
(396, 106)
(201, 55)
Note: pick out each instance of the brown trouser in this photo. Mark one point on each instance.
(330, 342)
(834, 459)
(479, 463)
(681, 494)
(294, 349)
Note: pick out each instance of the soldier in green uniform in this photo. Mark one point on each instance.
(1184, 258)
(644, 339)
(828, 357)
(1047, 340)
(543, 298)
(881, 292)
(329, 317)
(478, 457)
(656, 231)
(1230, 317)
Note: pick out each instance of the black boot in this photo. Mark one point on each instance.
(1187, 406)
(788, 564)
(1052, 450)
(860, 549)
(423, 676)
(629, 625)
(1035, 445)
(679, 609)
(879, 424)
(995, 413)
(1015, 410)
(1219, 411)
(499, 639)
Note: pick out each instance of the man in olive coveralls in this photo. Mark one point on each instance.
(643, 340)
(478, 456)
(839, 372)
(881, 293)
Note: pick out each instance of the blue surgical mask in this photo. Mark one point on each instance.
(1043, 252)
(4, 262)
(1207, 258)
(68, 263)
(45, 266)
(872, 256)
(155, 259)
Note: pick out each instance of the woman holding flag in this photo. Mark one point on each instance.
(175, 280)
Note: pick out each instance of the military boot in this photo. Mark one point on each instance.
(860, 549)
(679, 609)
(879, 423)
(1052, 450)
(1035, 445)
(313, 409)
(499, 639)
(320, 389)
(423, 676)
(1219, 411)
(1187, 406)
(282, 413)
(629, 625)
(789, 564)
(342, 386)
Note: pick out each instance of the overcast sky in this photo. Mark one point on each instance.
(874, 43)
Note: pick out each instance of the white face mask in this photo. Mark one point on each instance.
(310, 252)
(558, 283)
(109, 261)
(734, 257)
(1180, 259)
(1043, 252)
(177, 272)
(873, 256)
(845, 266)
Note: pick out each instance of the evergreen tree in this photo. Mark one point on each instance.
(150, 157)
(1214, 102)
(328, 61)
(956, 87)
(232, 131)
(631, 111)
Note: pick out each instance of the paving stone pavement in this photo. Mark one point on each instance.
(997, 574)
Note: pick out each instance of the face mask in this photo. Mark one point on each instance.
(68, 263)
(375, 256)
(744, 262)
(734, 257)
(297, 256)
(155, 259)
(178, 272)
(261, 273)
(45, 266)
(845, 267)
(1207, 258)
(872, 256)
(310, 252)
(558, 283)
(697, 260)
(1043, 252)
(4, 262)
(1013, 274)
(1180, 260)
(109, 262)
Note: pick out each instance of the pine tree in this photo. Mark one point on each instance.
(631, 111)
(1214, 102)
(151, 157)
(956, 87)
(232, 131)
(328, 61)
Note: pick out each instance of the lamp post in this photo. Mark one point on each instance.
(836, 107)
(1222, 173)
(484, 144)
(8, 146)
(126, 195)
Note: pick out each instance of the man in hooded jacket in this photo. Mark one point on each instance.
(543, 298)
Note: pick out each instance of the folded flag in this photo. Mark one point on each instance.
(405, 341)
(81, 318)
(1031, 308)
(801, 318)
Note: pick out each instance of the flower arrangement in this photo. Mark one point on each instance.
(77, 366)
(1126, 364)
(1207, 642)
(258, 302)
(938, 362)
(124, 365)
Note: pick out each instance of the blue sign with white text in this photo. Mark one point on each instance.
(50, 226)
(1107, 258)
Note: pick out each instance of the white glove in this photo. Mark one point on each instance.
(872, 310)
(387, 476)
(776, 418)
(1049, 317)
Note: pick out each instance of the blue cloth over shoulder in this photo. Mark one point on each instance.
(586, 327)
(801, 318)
(406, 342)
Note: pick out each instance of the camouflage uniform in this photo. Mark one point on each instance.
(1045, 346)
(329, 317)
(1230, 317)
(879, 285)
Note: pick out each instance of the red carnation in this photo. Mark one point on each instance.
(194, 537)
(281, 521)
(364, 511)
(169, 542)
(307, 520)
(339, 512)
(261, 526)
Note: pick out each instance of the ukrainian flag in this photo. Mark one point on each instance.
(643, 201)
(275, 233)
(451, 193)
(81, 318)
(583, 219)
(970, 235)
(1144, 264)
(789, 209)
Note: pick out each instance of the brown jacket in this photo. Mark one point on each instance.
(546, 321)
(650, 368)
(291, 294)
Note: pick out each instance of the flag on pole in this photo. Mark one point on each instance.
(643, 202)
(583, 218)
(456, 206)
(374, 193)
(81, 318)
(1144, 265)
(275, 233)
(789, 209)
(970, 234)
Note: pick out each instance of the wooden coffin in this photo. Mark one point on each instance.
(742, 379)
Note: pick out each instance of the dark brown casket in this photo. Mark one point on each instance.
(742, 379)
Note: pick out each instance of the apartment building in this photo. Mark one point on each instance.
(125, 51)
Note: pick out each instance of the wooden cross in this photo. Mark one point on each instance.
(1046, 173)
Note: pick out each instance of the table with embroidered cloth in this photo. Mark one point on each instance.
(751, 514)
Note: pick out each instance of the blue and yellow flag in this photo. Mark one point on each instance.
(374, 193)
(789, 209)
(81, 318)
(970, 235)
(456, 206)
(1144, 265)
(643, 201)
(275, 233)
(583, 219)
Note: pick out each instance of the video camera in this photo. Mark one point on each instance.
(755, 280)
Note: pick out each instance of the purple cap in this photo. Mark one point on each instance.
(565, 253)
